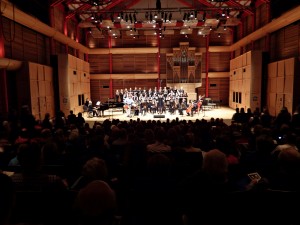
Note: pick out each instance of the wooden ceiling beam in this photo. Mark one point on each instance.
(56, 3)
(80, 8)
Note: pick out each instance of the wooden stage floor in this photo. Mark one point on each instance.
(222, 112)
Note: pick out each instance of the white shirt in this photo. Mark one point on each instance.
(128, 101)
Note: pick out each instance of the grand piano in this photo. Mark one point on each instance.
(110, 104)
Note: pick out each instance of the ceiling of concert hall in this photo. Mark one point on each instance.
(153, 17)
(145, 17)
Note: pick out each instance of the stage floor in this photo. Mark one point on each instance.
(221, 112)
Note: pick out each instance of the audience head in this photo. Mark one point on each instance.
(265, 144)
(95, 169)
(7, 196)
(189, 139)
(289, 160)
(160, 134)
(96, 204)
(159, 165)
(50, 153)
(29, 156)
(215, 164)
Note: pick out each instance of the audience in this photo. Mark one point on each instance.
(176, 164)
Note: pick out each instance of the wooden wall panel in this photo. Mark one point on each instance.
(139, 63)
(224, 39)
(58, 18)
(24, 44)
(272, 69)
(128, 63)
(291, 40)
(248, 25)
(286, 41)
(117, 63)
(43, 53)
(169, 41)
(129, 84)
(7, 32)
(17, 43)
(126, 41)
(99, 64)
(97, 92)
(163, 63)
(100, 89)
(219, 62)
(30, 45)
(218, 89)
(280, 68)
(152, 63)
(261, 17)
(117, 85)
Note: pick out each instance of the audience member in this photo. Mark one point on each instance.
(94, 169)
(7, 196)
(95, 204)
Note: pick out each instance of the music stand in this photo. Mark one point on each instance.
(203, 112)
(203, 106)
(110, 110)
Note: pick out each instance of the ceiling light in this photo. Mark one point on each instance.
(96, 2)
(219, 0)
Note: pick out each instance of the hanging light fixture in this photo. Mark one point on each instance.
(158, 4)
(170, 16)
(96, 2)
(219, 0)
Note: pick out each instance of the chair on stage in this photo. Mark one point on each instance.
(85, 109)
(210, 103)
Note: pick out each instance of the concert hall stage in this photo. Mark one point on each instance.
(117, 113)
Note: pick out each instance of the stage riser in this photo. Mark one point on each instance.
(159, 116)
